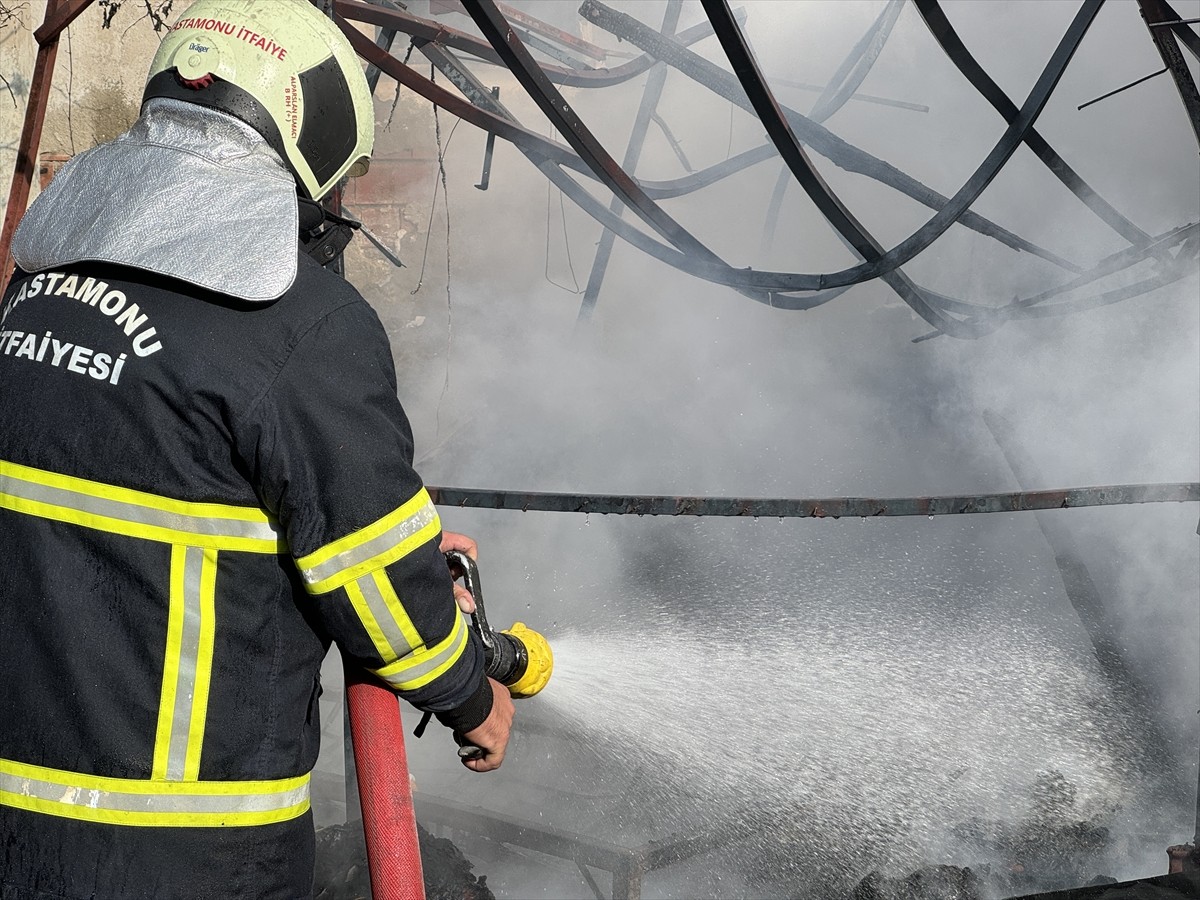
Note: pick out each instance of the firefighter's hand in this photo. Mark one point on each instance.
(463, 598)
(492, 736)
(461, 543)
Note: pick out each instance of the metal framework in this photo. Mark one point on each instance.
(628, 866)
(508, 38)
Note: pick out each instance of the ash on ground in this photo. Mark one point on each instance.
(342, 873)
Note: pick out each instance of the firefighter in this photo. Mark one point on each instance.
(205, 478)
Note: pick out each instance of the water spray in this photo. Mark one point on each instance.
(517, 657)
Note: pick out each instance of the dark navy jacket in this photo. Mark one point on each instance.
(196, 496)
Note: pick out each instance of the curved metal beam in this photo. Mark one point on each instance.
(508, 44)
(877, 266)
(857, 65)
(835, 212)
(840, 152)
(846, 80)
(943, 32)
(1175, 268)
(548, 156)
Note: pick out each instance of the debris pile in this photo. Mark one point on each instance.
(342, 873)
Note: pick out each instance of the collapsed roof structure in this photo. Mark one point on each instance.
(510, 37)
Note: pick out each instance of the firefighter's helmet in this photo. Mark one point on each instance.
(284, 69)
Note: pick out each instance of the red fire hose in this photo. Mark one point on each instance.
(393, 855)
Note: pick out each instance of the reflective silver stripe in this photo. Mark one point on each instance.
(416, 674)
(132, 801)
(127, 801)
(384, 618)
(189, 651)
(136, 513)
(424, 515)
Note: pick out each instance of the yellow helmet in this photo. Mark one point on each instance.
(285, 70)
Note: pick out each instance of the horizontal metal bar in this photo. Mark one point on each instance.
(520, 833)
(833, 507)
(865, 98)
(1176, 22)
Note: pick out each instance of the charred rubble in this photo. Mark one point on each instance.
(342, 873)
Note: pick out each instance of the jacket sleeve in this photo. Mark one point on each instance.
(330, 451)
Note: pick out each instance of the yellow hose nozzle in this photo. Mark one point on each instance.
(541, 661)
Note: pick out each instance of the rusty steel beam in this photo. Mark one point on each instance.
(57, 19)
(832, 507)
(537, 26)
(545, 29)
(1154, 12)
(415, 26)
(31, 131)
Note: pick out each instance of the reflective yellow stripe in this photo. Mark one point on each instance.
(204, 656)
(379, 544)
(422, 667)
(118, 510)
(129, 801)
(170, 680)
(384, 617)
(187, 664)
(399, 615)
(362, 609)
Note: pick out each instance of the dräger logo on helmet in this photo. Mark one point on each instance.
(243, 33)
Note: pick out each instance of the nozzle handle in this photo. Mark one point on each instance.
(506, 657)
(462, 565)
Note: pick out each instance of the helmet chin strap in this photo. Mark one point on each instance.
(324, 234)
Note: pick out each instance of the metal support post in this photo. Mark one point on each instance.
(59, 14)
(633, 152)
(1155, 12)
